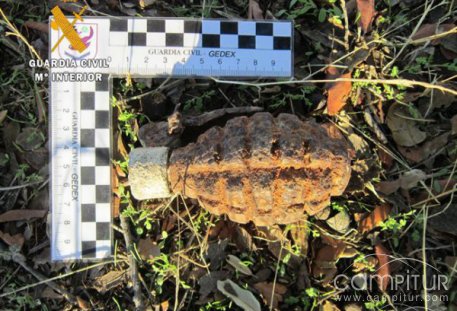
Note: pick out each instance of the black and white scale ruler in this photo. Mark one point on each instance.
(80, 115)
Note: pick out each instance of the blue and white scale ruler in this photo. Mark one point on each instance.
(80, 115)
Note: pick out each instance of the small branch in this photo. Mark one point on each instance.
(20, 259)
(209, 116)
(434, 37)
(346, 24)
(137, 296)
(402, 82)
(427, 9)
(22, 186)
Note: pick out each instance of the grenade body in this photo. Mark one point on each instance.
(263, 169)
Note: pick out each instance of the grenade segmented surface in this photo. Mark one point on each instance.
(263, 169)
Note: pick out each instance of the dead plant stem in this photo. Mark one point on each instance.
(137, 296)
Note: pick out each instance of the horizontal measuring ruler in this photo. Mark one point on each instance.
(80, 91)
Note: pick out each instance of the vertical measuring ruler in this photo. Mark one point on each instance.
(80, 84)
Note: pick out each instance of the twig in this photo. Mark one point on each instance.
(346, 24)
(22, 186)
(137, 297)
(209, 116)
(402, 82)
(178, 264)
(46, 281)
(19, 35)
(434, 37)
(427, 9)
(276, 275)
(20, 259)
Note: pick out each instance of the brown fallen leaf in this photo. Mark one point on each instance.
(377, 216)
(30, 139)
(148, 249)
(423, 152)
(403, 127)
(222, 230)
(110, 280)
(82, 304)
(17, 239)
(428, 30)
(267, 289)
(243, 239)
(43, 27)
(338, 93)
(299, 233)
(208, 282)
(407, 181)
(254, 11)
(242, 297)
(22, 214)
(386, 159)
(278, 244)
(165, 305)
(383, 268)
(410, 179)
(367, 13)
(324, 262)
(387, 187)
(328, 306)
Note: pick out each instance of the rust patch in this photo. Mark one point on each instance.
(267, 170)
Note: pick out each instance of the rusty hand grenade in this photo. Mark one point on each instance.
(261, 169)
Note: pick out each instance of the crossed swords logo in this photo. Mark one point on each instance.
(67, 28)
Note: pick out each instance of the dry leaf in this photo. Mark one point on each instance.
(121, 147)
(328, 306)
(243, 239)
(109, 280)
(279, 245)
(242, 297)
(338, 93)
(410, 179)
(376, 217)
(148, 249)
(340, 222)
(254, 11)
(43, 27)
(428, 30)
(22, 214)
(222, 230)
(429, 148)
(406, 181)
(17, 239)
(367, 13)
(267, 289)
(383, 271)
(404, 130)
(208, 282)
(165, 305)
(30, 138)
(299, 233)
(82, 304)
(324, 263)
(236, 263)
